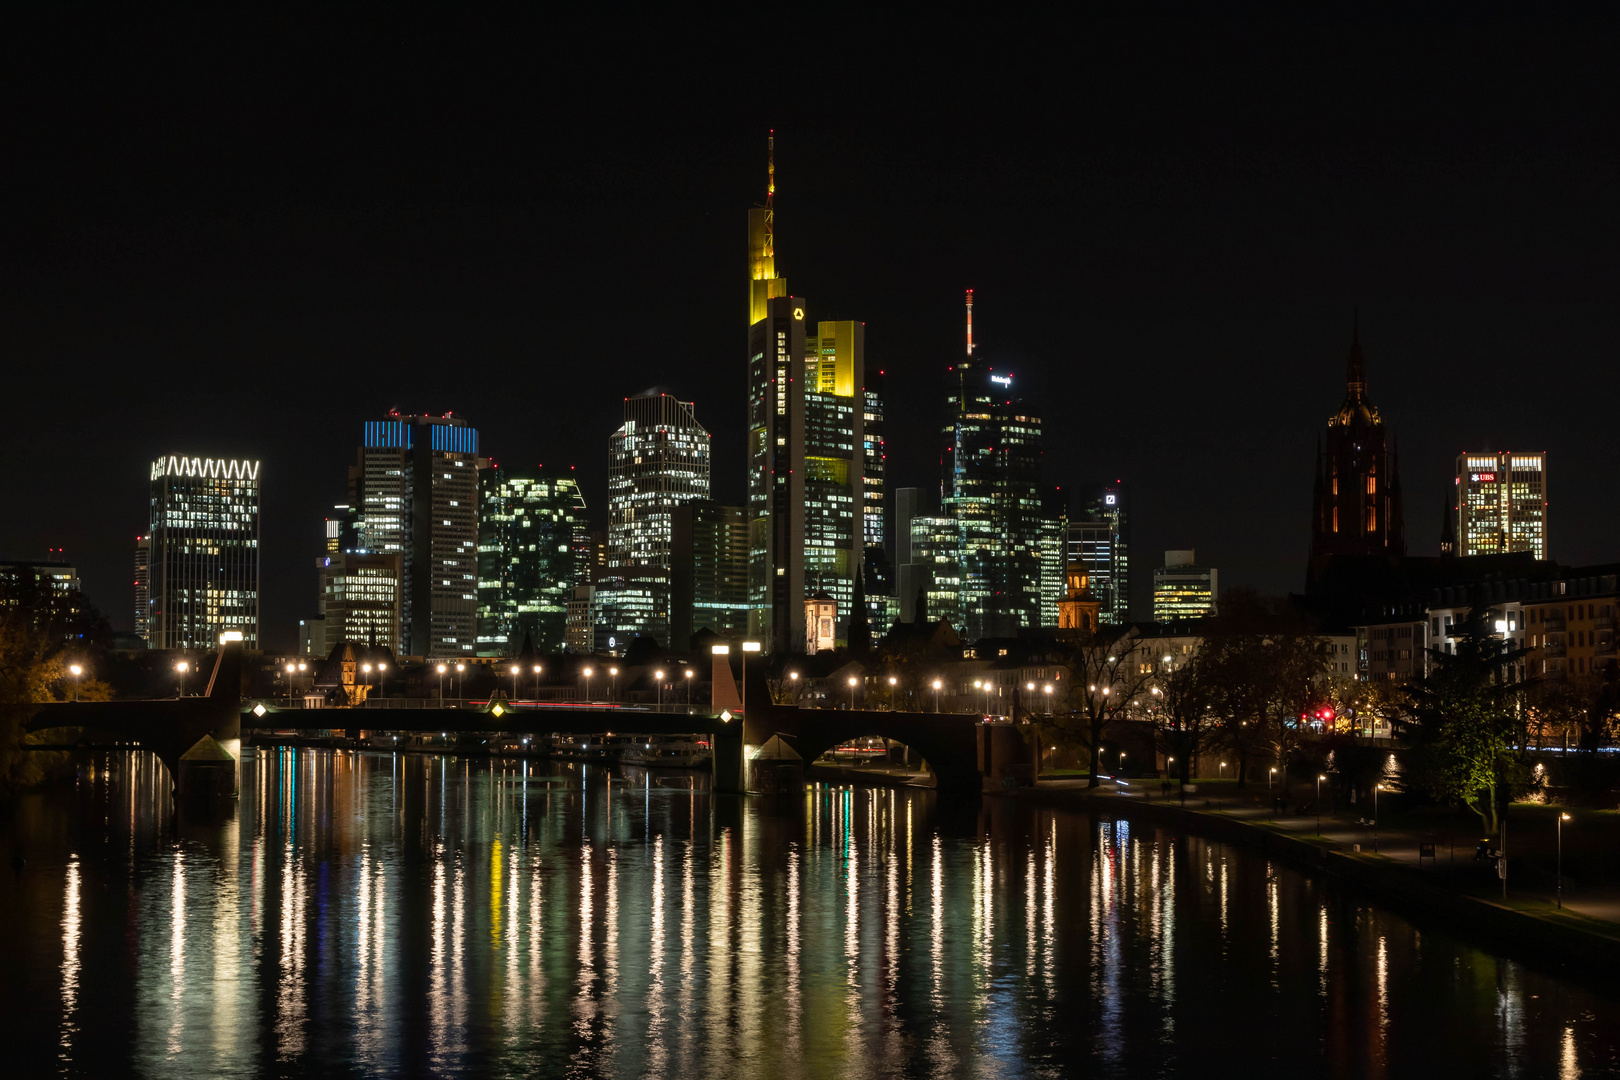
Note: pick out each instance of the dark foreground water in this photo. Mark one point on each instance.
(366, 914)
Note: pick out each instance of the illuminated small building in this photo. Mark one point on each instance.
(1502, 503)
(1182, 590)
(360, 597)
(820, 623)
(1080, 609)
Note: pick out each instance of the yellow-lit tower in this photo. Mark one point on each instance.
(763, 284)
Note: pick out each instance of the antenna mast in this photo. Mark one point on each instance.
(970, 322)
(770, 198)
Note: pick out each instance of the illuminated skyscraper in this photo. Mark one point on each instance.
(204, 563)
(531, 529)
(1357, 514)
(1099, 541)
(143, 588)
(658, 461)
(360, 598)
(709, 572)
(873, 469)
(990, 485)
(1502, 503)
(808, 504)
(414, 491)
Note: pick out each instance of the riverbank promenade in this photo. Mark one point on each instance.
(1436, 847)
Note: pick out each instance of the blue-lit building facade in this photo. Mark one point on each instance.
(203, 545)
(413, 490)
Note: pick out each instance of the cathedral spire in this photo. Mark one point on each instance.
(1355, 377)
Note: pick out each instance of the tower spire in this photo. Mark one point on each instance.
(1355, 376)
(970, 323)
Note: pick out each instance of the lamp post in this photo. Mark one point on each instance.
(1047, 690)
(367, 669)
(75, 670)
(1271, 781)
(515, 670)
(1223, 770)
(1319, 779)
(441, 685)
(382, 679)
(1561, 819)
(659, 677)
(937, 685)
(537, 682)
(461, 670)
(893, 682)
(587, 673)
(793, 681)
(290, 669)
(613, 684)
(852, 682)
(1122, 763)
(687, 675)
(747, 647)
(1169, 764)
(182, 667)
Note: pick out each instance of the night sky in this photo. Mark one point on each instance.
(244, 240)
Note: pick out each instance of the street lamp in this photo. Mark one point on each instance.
(1561, 819)
(182, 667)
(852, 681)
(659, 675)
(1271, 781)
(461, 670)
(613, 683)
(537, 682)
(893, 682)
(1047, 690)
(291, 668)
(937, 685)
(1223, 770)
(515, 670)
(382, 683)
(687, 675)
(75, 670)
(441, 685)
(587, 673)
(1319, 779)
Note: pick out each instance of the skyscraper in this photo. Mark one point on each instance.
(1357, 513)
(414, 491)
(874, 467)
(1182, 590)
(1099, 541)
(360, 595)
(658, 461)
(143, 588)
(990, 471)
(807, 404)
(531, 529)
(1502, 503)
(708, 572)
(204, 544)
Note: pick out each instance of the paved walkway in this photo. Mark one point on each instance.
(1453, 862)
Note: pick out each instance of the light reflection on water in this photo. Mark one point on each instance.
(366, 914)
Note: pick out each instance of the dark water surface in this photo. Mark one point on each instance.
(367, 914)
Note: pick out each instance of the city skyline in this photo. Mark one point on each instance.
(1153, 314)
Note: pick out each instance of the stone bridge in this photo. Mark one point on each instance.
(964, 752)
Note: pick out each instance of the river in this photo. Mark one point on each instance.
(371, 914)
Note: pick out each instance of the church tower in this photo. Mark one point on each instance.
(1356, 513)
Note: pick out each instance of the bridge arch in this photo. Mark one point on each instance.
(949, 743)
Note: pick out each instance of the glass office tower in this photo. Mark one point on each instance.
(531, 529)
(203, 571)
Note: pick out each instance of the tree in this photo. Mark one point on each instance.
(40, 624)
(1180, 707)
(1466, 724)
(1108, 678)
